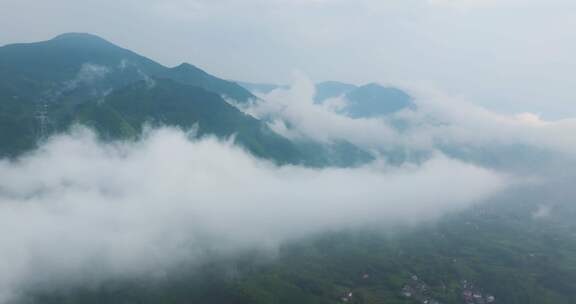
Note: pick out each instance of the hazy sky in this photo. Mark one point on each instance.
(509, 55)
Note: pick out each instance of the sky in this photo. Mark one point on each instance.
(511, 56)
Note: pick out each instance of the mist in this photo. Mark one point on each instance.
(78, 209)
(522, 143)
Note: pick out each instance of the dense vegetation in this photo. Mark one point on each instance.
(83, 79)
(500, 249)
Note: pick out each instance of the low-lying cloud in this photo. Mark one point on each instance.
(293, 113)
(79, 208)
(522, 142)
(468, 124)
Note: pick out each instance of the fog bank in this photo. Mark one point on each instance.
(77, 206)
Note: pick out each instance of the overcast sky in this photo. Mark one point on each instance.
(509, 55)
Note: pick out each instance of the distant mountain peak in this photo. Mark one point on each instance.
(372, 85)
(332, 89)
(335, 83)
(185, 66)
(374, 99)
(82, 40)
(79, 36)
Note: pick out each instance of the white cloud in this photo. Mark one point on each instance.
(440, 120)
(466, 124)
(295, 115)
(77, 206)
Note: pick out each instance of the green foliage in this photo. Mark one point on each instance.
(83, 79)
(501, 252)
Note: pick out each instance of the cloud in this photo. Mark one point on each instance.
(78, 208)
(440, 122)
(461, 123)
(293, 113)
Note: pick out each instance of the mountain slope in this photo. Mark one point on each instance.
(81, 78)
(189, 74)
(50, 69)
(167, 102)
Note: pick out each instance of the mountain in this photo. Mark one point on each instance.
(332, 89)
(70, 65)
(376, 100)
(261, 88)
(46, 87)
(70, 62)
(81, 78)
(125, 111)
(365, 101)
(189, 74)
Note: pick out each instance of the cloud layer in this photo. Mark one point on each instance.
(522, 142)
(77, 206)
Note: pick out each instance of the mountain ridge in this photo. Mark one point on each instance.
(76, 77)
(59, 59)
(80, 77)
